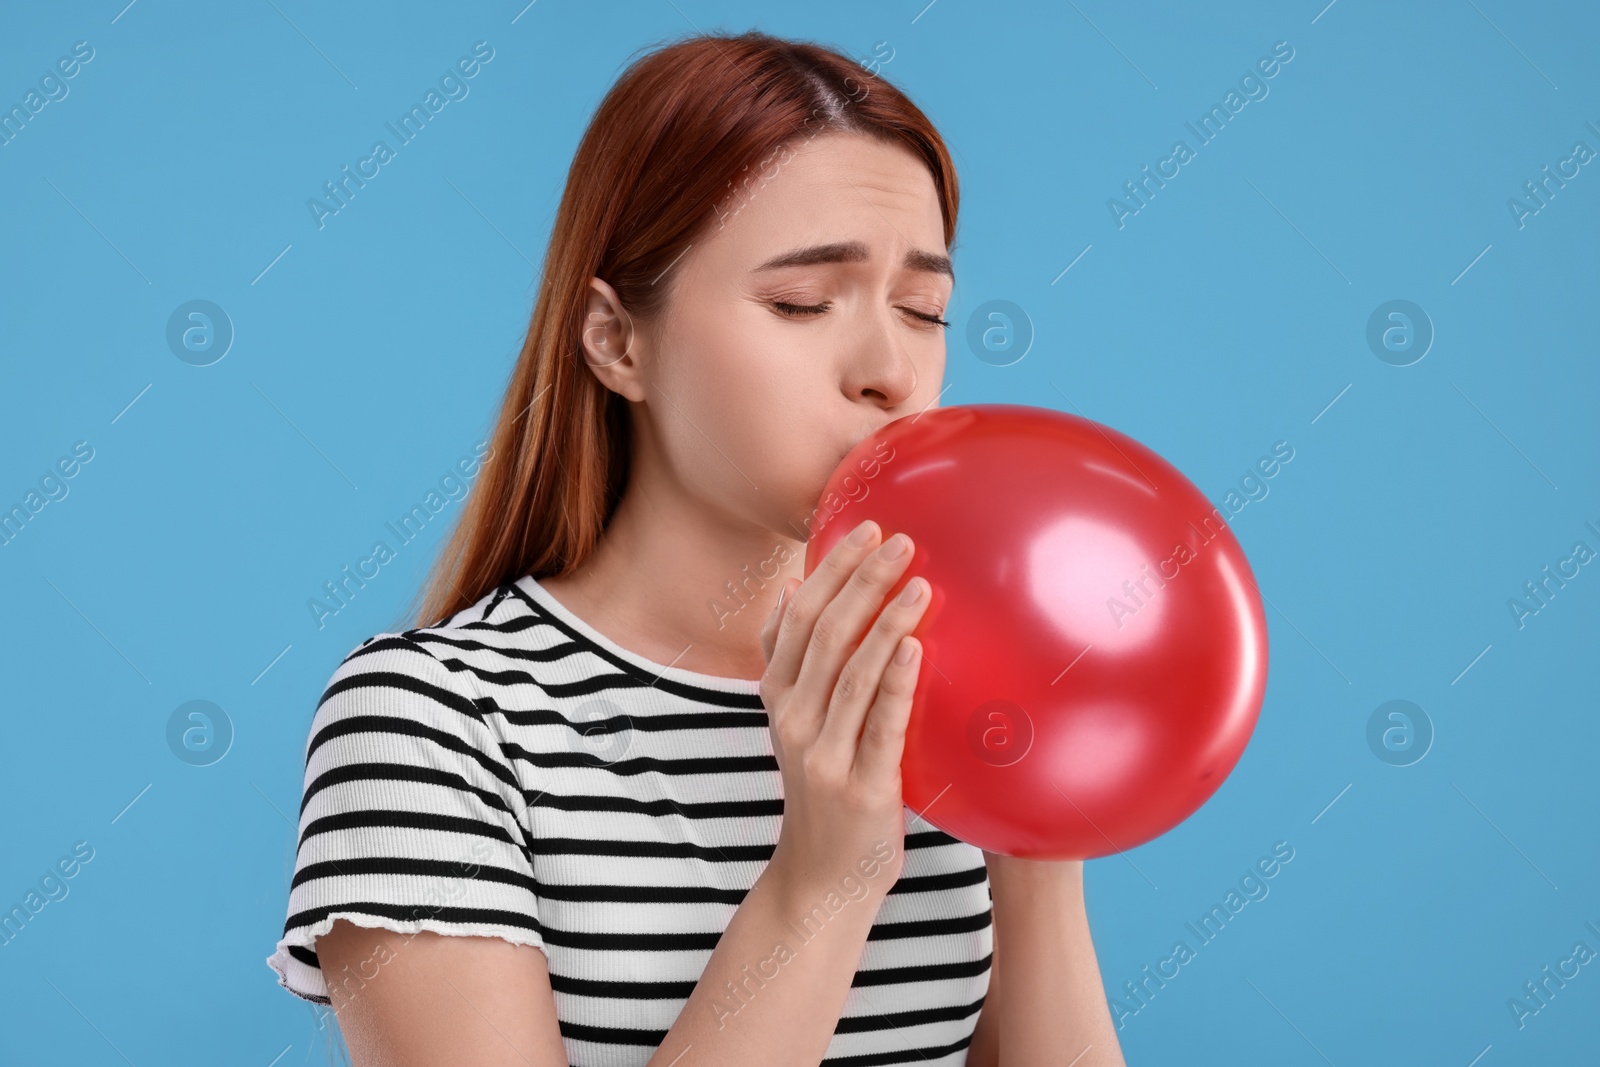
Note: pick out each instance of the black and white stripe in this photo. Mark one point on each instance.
(514, 773)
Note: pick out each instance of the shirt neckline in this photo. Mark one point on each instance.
(546, 599)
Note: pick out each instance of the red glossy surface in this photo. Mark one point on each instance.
(1060, 713)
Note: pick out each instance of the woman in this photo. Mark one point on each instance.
(630, 793)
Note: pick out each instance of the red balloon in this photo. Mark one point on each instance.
(1095, 650)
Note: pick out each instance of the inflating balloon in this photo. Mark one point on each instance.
(1094, 650)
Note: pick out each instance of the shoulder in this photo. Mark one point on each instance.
(377, 659)
(396, 729)
(390, 674)
(403, 667)
(399, 698)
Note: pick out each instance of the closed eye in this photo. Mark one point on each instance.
(803, 310)
(797, 310)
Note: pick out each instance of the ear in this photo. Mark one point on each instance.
(611, 345)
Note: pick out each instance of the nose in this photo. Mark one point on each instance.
(879, 369)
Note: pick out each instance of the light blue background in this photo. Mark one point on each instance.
(1227, 315)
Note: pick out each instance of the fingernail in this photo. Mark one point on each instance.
(903, 656)
(911, 593)
(895, 547)
(862, 534)
(781, 594)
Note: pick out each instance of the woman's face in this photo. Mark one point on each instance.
(797, 324)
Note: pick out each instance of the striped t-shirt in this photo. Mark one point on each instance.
(512, 772)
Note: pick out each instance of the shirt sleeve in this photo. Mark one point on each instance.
(411, 816)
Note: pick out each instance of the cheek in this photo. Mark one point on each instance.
(746, 406)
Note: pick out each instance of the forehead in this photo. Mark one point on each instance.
(832, 188)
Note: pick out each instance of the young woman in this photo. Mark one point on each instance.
(630, 791)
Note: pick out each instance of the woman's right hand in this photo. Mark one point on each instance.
(838, 712)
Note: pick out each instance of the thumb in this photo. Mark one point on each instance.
(769, 630)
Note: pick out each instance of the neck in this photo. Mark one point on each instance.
(677, 581)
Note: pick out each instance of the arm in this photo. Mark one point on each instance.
(433, 999)
(789, 999)
(1054, 1007)
(427, 999)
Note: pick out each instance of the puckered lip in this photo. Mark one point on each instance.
(869, 432)
(852, 444)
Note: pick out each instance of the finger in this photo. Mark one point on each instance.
(883, 740)
(838, 631)
(769, 629)
(861, 676)
(805, 604)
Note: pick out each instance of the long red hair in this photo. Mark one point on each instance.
(681, 137)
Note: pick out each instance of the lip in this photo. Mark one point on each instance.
(871, 431)
(852, 443)
(851, 448)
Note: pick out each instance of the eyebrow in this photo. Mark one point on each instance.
(856, 252)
